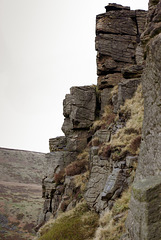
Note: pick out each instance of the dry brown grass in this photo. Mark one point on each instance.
(112, 223)
(107, 118)
(76, 167)
(126, 135)
(81, 181)
(59, 177)
(105, 150)
(114, 90)
(79, 223)
(136, 106)
(84, 155)
(95, 142)
(135, 144)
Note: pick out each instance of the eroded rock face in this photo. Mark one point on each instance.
(79, 108)
(52, 192)
(149, 161)
(119, 53)
(119, 63)
(146, 210)
(100, 169)
(126, 89)
(144, 219)
(108, 178)
(58, 143)
(117, 35)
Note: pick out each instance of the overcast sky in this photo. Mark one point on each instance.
(46, 47)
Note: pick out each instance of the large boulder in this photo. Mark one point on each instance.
(144, 221)
(79, 108)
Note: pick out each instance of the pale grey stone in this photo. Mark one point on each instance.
(144, 219)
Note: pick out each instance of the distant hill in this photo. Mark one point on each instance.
(21, 166)
(21, 175)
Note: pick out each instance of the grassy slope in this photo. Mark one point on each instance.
(20, 199)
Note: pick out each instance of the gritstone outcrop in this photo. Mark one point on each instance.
(119, 65)
(102, 125)
(144, 219)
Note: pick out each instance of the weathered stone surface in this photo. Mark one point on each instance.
(153, 24)
(100, 169)
(105, 98)
(114, 184)
(150, 155)
(131, 160)
(144, 219)
(120, 47)
(79, 108)
(77, 140)
(140, 20)
(134, 71)
(118, 33)
(139, 54)
(107, 64)
(105, 185)
(67, 126)
(58, 160)
(57, 144)
(67, 105)
(117, 22)
(109, 80)
(40, 221)
(127, 89)
(103, 135)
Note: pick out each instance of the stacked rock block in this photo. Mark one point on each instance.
(146, 210)
(79, 109)
(119, 55)
(119, 63)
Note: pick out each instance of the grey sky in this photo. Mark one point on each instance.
(46, 47)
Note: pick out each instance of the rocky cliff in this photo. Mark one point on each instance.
(93, 117)
(97, 158)
(145, 223)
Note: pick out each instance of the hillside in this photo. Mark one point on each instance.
(21, 174)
